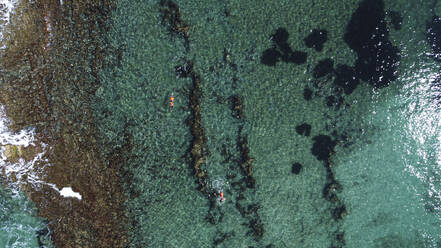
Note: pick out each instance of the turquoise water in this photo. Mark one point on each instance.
(387, 158)
(20, 224)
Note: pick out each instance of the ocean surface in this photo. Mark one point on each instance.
(321, 125)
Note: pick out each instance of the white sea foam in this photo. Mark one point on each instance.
(68, 192)
(9, 6)
(24, 137)
(25, 172)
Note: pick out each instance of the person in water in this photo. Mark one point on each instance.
(222, 196)
(172, 102)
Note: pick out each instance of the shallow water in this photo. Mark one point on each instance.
(380, 185)
(21, 227)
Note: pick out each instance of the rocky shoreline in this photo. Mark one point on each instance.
(49, 86)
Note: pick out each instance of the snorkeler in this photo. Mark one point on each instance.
(172, 102)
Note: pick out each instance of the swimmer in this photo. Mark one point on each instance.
(222, 197)
(172, 102)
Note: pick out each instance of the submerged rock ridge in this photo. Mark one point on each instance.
(236, 154)
(171, 16)
(50, 66)
(198, 148)
(249, 209)
(322, 149)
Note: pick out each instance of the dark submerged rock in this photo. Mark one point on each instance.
(297, 57)
(316, 39)
(340, 237)
(237, 107)
(270, 57)
(280, 37)
(257, 229)
(368, 35)
(183, 71)
(340, 212)
(222, 237)
(286, 52)
(307, 94)
(296, 168)
(304, 129)
(396, 19)
(346, 78)
(330, 101)
(330, 191)
(334, 101)
(282, 50)
(323, 68)
(323, 147)
(246, 162)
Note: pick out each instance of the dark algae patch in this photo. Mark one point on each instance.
(270, 57)
(316, 39)
(296, 168)
(346, 78)
(298, 57)
(323, 147)
(323, 68)
(303, 129)
(368, 35)
(307, 94)
(280, 38)
(281, 50)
